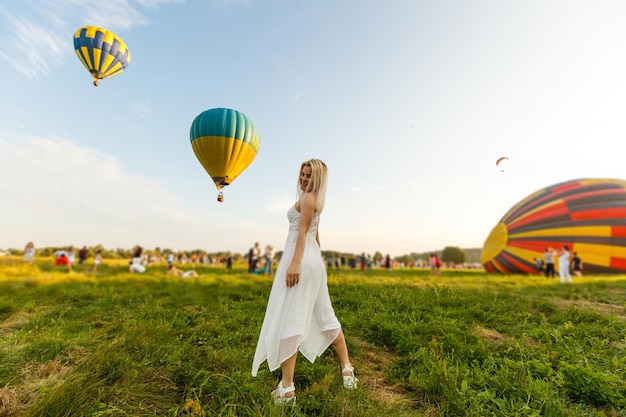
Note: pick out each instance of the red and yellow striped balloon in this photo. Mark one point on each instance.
(588, 215)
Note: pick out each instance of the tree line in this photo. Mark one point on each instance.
(449, 254)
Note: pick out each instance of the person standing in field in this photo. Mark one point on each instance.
(97, 260)
(228, 261)
(82, 255)
(435, 264)
(253, 257)
(269, 259)
(564, 265)
(577, 265)
(29, 252)
(299, 315)
(71, 255)
(539, 265)
(387, 263)
(549, 258)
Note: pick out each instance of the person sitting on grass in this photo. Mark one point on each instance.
(61, 258)
(172, 270)
(136, 264)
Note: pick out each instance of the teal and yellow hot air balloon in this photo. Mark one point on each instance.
(225, 142)
(102, 52)
(588, 215)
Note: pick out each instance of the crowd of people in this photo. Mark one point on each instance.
(567, 266)
(66, 257)
(264, 261)
(261, 263)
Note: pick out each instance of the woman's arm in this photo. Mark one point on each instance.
(307, 208)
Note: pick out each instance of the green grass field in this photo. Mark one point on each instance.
(463, 344)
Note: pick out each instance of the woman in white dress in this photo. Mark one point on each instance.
(29, 252)
(564, 265)
(299, 315)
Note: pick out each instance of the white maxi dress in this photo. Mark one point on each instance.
(300, 317)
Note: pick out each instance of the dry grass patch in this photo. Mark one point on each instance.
(492, 336)
(371, 376)
(605, 309)
(15, 321)
(9, 404)
(14, 400)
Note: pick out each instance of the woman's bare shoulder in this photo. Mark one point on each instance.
(306, 203)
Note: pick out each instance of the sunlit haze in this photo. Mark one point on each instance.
(410, 104)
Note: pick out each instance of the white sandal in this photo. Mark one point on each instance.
(349, 381)
(280, 395)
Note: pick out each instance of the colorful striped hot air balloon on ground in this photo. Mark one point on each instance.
(588, 215)
(225, 142)
(102, 52)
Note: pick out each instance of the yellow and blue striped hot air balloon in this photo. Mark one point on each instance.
(225, 142)
(588, 215)
(102, 52)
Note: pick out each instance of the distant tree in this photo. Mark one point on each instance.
(405, 259)
(453, 254)
(378, 257)
(326, 254)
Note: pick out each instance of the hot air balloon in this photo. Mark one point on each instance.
(102, 52)
(225, 142)
(500, 160)
(588, 215)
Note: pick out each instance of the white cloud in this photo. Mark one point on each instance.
(57, 193)
(367, 188)
(34, 37)
(57, 190)
(155, 4)
(32, 49)
(111, 14)
(143, 109)
(280, 202)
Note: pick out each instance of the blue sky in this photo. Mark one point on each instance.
(410, 103)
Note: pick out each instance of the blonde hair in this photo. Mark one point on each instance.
(317, 183)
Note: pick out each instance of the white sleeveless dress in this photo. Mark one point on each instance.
(300, 317)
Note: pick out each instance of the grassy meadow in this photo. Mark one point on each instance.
(463, 344)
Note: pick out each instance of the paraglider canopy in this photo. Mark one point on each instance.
(500, 160)
(102, 52)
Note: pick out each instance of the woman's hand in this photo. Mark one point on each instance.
(293, 274)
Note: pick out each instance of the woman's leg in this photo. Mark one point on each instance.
(350, 381)
(342, 350)
(287, 369)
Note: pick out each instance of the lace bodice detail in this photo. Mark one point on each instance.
(294, 219)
